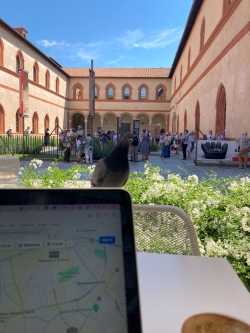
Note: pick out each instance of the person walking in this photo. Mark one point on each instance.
(134, 147)
(185, 142)
(244, 148)
(79, 148)
(144, 145)
(66, 145)
(192, 140)
(88, 143)
(47, 138)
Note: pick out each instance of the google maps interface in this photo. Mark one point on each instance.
(61, 269)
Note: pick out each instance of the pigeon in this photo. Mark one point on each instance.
(113, 170)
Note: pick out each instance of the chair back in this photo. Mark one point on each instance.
(164, 229)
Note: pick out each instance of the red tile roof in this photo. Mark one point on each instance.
(120, 72)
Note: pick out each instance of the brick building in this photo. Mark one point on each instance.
(208, 85)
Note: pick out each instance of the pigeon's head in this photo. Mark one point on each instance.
(129, 136)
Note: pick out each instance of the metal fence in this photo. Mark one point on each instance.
(36, 145)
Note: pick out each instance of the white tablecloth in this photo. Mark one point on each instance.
(175, 287)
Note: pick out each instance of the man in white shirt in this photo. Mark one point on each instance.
(210, 136)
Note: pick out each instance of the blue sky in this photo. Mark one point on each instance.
(131, 33)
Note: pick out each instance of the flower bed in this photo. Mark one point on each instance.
(219, 208)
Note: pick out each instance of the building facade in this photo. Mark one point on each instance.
(210, 86)
(206, 89)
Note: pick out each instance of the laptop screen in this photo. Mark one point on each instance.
(62, 268)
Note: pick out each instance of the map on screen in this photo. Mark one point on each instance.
(61, 269)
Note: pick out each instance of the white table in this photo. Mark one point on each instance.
(175, 287)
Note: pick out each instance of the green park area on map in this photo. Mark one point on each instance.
(68, 274)
(100, 254)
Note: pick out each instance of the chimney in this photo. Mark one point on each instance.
(21, 31)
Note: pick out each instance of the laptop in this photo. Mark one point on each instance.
(67, 262)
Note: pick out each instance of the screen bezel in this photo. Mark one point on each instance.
(24, 197)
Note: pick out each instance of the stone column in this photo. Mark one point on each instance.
(86, 126)
(102, 123)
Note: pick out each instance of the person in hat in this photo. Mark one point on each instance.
(9, 132)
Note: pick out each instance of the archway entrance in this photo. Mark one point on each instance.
(197, 119)
(77, 119)
(35, 123)
(19, 122)
(127, 123)
(144, 121)
(220, 121)
(159, 119)
(109, 122)
(97, 123)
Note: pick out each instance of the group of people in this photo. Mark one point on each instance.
(84, 145)
(177, 142)
(219, 136)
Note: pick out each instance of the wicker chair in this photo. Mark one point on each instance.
(164, 229)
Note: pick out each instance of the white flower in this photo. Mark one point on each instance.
(22, 169)
(194, 178)
(49, 168)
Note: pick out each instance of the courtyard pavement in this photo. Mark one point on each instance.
(175, 165)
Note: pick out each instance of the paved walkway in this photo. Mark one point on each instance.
(175, 164)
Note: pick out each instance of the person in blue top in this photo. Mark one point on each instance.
(103, 139)
(144, 145)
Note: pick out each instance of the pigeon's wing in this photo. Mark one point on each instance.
(99, 174)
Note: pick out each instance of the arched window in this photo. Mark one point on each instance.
(181, 74)
(35, 123)
(160, 93)
(1, 52)
(96, 92)
(126, 93)
(202, 34)
(19, 122)
(2, 119)
(77, 91)
(221, 110)
(197, 119)
(143, 91)
(57, 125)
(46, 122)
(36, 72)
(19, 61)
(143, 94)
(185, 120)
(47, 79)
(189, 58)
(110, 93)
(57, 85)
